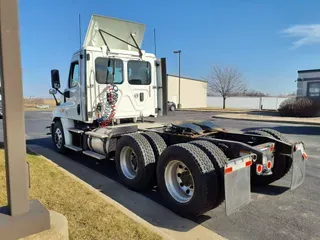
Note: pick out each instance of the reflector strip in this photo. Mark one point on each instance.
(248, 163)
(238, 163)
(228, 170)
(305, 156)
(301, 147)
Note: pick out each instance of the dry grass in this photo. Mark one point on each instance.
(89, 216)
(31, 103)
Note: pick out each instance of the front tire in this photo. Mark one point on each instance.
(58, 137)
(172, 108)
(187, 180)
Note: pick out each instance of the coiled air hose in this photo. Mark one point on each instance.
(106, 107)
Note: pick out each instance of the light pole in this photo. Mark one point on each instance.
(179, 53)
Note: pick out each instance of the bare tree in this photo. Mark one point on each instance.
(254, 93)
(226, 81)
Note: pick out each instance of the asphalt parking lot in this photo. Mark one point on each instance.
(274, 213)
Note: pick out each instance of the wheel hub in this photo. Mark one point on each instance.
(186, 178)
(128, 162)
(58, 138)
(179, 181)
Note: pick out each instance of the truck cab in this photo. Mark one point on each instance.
(111, 54)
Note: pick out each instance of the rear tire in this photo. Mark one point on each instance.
(218, 159)
(278, 169)
(275, 134)
(279, 136)
(135, 161)
(198, 176)
(157, 143)
(58, 137)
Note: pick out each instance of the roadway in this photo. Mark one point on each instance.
(274, 213)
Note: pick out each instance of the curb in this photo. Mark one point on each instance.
(58, 229)
(264, 120)
(196, 232)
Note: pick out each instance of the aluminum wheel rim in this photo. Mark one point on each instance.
(58, 138)
(128, 162)
(179, 181)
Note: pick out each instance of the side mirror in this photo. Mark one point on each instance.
(53, 91)
(55, 79)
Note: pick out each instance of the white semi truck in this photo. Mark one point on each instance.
(113, 86)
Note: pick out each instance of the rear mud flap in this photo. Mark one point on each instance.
(237, 184)
(298, 169)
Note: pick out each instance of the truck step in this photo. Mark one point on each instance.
(74, 148)
(74, 130)
(94, 154)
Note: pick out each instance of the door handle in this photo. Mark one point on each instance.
(141, 97)
(78, 109)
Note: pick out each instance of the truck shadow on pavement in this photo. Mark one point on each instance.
(272, 190)
(294, 129)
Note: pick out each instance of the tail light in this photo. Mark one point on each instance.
(269, 164)
(259, 168)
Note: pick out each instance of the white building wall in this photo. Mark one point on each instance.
(243, 102)
(268, 103)
(215, 102)
(193, 92)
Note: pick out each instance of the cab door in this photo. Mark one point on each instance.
(141, 82)
(73, 92)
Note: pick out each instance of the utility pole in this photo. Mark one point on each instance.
(179, 53)
(21, 217)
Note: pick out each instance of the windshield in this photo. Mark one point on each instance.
(109, 71)
(139, 73)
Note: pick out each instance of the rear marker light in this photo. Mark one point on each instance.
(259, 168)
(269, 164)
(271, 148)
(228, 170)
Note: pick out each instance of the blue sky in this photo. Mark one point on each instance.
(268, 41)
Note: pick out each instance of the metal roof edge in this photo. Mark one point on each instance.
(308, 70)
(193, 79)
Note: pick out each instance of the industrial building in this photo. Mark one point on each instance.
(193, 92)
(308, 83)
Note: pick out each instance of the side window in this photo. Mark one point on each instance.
(109, 71)
(314, 89)
(139, 73)
(74, 77)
